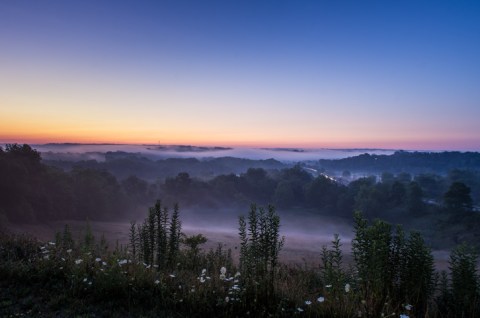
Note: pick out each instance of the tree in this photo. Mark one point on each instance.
(458, 197)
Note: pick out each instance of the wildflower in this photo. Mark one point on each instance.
(408, 307)
(89, 283)
(172, 275)
(328, 286)
(98, 259)
(84, 280)
(223, 272)
(227, 299)
(104, 263)
(78, 261)
(237, 274)
(46, 257)
(321, 299)
(157, 282)
(69, 250)
(51, 243)
(347, 288)
(202, 280)
(148, 267)
(42, 247)
(308, 302)
(63, 259)
(156, 266)
(204, 272)
(122, 262)
(404, 316)
(299, 309)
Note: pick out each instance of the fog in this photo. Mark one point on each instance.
(305, 233)
(95, 151)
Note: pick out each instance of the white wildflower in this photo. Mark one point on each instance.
(78, 261)
(63, 259)
(404, 316)
(172, 275)
(321, 299)
(237, 274)
(308, 302)
(104, 263)
(122, 262)
(299, 309)
(328, 286)
(46, 257)
(408, 307)
(347, 288)
(51, 243)
(69, 250)
(223, 272)
(85, 280)
(204, 272)
(98, 259)
(227, 299)
(202, 280)
(157, 282)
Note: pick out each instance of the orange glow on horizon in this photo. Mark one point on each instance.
(43, 138)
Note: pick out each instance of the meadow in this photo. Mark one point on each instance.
(159, 270)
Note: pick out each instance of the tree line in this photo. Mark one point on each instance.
(32, 191)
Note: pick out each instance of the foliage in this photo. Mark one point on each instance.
(157, 241)
(392, 266)
(260, 243)
(458, 197)
(392, 274)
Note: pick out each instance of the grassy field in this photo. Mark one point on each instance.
(98, 274)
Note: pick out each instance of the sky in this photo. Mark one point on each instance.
(319, 74)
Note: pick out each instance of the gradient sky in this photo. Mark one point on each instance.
(377, 74)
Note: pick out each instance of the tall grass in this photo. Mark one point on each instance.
(162, 273)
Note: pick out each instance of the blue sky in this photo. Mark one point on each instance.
(387, 74)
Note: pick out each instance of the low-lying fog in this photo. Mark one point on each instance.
(305, 234)
(94, 151)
